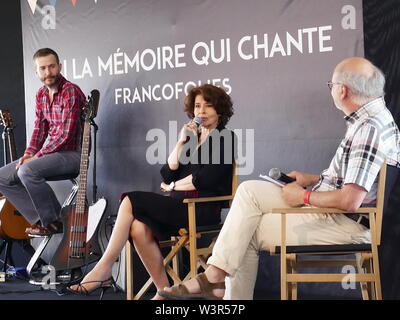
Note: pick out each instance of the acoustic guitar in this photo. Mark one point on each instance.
(79, 244)
(12, 223)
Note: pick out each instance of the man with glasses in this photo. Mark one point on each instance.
(357, 89)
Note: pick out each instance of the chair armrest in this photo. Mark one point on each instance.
(304, 210)
(208, 199)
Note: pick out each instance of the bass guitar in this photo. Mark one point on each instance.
(12, 223)
(79, 244)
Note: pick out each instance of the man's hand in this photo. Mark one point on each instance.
(293, 194)
(25, 159)
(304, 179)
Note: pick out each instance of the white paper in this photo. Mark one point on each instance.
(276, 182)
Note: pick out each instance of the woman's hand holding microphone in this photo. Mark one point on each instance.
(192, 126)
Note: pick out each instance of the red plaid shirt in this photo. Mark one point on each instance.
(59, 121)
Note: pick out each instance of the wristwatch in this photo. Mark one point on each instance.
(171, 186)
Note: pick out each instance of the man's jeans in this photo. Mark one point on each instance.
(27, 190)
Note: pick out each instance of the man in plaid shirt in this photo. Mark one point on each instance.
(372, 136)
(58, 120)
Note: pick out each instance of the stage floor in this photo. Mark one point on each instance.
(18, 289)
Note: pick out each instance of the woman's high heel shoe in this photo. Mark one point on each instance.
(104, 285)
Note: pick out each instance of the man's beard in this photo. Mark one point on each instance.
(51, 81)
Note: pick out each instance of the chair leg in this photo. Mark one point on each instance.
(129, 271)
(192, 240)
(289, 284)
(363, 285)
(292, 269)
(375, 259)
(370, 286)
(284, 283)
(377, 283)
(176, 244)
(285, 286)
(175, 260)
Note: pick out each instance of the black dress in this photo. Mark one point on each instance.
(165, 215)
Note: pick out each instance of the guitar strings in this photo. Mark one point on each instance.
(81, 212)
(79, 207)
(78, 237)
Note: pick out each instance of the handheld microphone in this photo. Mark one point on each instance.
(276, 174)
(197, 121)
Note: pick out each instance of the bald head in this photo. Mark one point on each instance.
(356, 65)
(365, 81)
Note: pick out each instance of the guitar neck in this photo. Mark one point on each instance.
(11, 145)
(81, 195)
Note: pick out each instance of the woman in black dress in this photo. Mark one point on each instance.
(200, 165)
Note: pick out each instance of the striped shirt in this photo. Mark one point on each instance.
(372, 136)
(59, 121)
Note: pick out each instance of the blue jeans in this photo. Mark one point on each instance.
(27, 190)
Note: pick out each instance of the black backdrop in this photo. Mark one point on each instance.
(12, 84)
(382, 46)
(12, 72)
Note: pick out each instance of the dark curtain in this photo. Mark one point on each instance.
(12, 95)
(382, 47)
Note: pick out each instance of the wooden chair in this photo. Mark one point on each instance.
(187, 238)
(366, 260)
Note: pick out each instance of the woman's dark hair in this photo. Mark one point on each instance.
(219, 99)
(44, 52)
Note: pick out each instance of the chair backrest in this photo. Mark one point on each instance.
(391, 173)
(380, 201)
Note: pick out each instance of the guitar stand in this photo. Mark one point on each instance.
(7, 246)
(96, 128)
(4, 136)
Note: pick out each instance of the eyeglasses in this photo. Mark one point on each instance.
(330, 84)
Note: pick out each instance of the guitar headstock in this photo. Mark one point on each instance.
(5, 119)
(92, 105)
